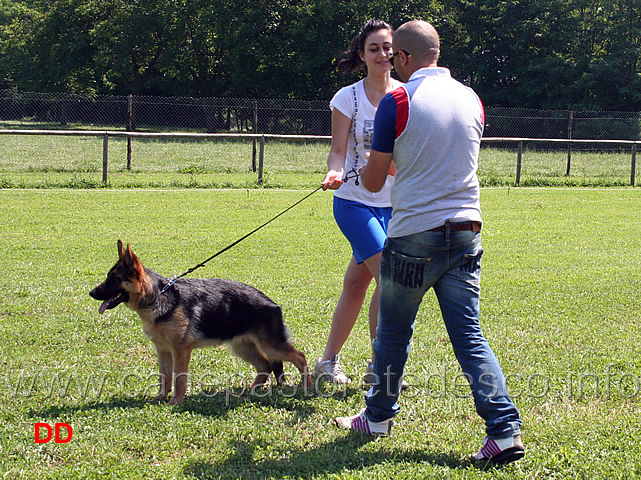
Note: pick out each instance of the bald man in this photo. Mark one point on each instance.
(431, 129)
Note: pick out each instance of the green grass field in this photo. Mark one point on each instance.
(76, 162)
(560, 306)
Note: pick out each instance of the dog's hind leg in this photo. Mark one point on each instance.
(248, 351)
(279, 372)
(287, 353)
(181, 376)
(166, 368)
(274, 341)
(298, 359)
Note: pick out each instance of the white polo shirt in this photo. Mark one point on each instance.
(433, 126)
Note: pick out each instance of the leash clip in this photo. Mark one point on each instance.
(352, 174)
(170, 283)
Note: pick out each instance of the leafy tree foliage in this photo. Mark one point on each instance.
(578, 54)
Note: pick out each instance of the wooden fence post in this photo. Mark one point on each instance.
(130, 127)
(570, 130)
(105, 156)
(519, 157)
(633, 166)
(261, 159)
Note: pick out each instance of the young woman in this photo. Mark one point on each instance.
(361, 215)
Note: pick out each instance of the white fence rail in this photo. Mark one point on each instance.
(259, 140)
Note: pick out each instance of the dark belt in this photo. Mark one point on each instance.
(457, 227)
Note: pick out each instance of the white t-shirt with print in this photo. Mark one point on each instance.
(352, 102)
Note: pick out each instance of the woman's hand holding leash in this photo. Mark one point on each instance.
(333, 180)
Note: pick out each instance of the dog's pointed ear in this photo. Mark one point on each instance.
(132, 264)
(130, 256)
(121, 250)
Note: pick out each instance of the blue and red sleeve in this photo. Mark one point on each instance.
(391, 120)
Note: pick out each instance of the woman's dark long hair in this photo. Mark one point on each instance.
(352, 63)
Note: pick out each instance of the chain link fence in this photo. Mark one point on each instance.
(158, 114)
(21, 110)
(539, 143)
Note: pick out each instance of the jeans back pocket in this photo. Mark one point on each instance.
(470, 269)
(409, 272)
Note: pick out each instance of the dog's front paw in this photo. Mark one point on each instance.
(175, 400)
(160, 397)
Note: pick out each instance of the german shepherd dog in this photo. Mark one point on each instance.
(196, 313)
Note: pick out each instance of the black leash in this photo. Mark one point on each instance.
(175, 278)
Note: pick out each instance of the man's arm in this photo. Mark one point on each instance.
(380, 164)
(374, 173)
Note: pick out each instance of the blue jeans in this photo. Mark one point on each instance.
(449, 262)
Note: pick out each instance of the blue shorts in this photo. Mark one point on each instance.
(364, 227)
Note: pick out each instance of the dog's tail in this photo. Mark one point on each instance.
(278, 331)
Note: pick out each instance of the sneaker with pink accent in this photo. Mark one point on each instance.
(331, 371)
(360, 423)
(500, 451)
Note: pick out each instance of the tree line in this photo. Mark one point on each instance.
(545, 54)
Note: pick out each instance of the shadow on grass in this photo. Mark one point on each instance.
(211, 404)
(115, 402)
(288, 397)
(246, 458)
(341, 455)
